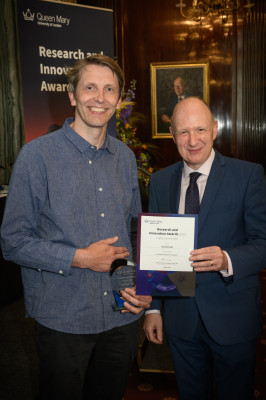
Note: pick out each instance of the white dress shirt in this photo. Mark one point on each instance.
(204, 170)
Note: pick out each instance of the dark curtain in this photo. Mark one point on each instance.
(11, 113)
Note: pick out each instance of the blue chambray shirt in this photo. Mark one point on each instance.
(64, 195)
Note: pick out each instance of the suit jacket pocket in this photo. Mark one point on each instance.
(243, 284)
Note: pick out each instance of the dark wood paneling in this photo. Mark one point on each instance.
(154, 31)
(251, 141)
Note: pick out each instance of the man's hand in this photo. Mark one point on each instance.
(166, 119)
(140, 303)
(153, 327)
(99, 255)
(209, 259)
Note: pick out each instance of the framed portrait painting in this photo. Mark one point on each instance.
(170, 83)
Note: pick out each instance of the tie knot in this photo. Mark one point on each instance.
(194, 176)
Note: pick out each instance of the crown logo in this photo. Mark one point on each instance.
(28, 16)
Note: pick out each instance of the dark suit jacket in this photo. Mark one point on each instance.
(232, 216)
(172, 103)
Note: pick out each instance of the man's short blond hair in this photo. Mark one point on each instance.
(73, 73)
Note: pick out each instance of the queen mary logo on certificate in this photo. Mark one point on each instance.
(164, 245)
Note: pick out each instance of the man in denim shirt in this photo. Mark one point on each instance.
(73, 199)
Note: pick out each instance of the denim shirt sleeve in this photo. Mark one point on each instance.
(20, 239)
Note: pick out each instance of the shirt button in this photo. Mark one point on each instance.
(60, 272)
(39, 270)
(90, 162)
(102, 215)
(100, 189)
(105, 294)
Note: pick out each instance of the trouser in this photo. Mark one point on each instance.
(85, 367)
(206, 370)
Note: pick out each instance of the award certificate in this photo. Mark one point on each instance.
(164, 245)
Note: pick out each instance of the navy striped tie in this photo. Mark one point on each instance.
(192, 203)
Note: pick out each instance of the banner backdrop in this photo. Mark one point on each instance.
(53, 36)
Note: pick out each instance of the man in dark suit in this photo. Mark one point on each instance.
(180, 94)
(213, 336)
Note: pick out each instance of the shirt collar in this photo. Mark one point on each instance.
(204, 169)
(81, 144)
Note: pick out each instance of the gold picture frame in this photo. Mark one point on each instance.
(196, 81)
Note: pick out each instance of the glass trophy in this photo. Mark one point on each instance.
(123, 275)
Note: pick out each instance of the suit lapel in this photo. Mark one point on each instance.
(175, 187)
(214, 181)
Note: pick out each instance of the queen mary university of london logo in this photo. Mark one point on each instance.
(28, 16)
(56, 21)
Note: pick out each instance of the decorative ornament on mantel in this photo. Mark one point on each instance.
(197, 9)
